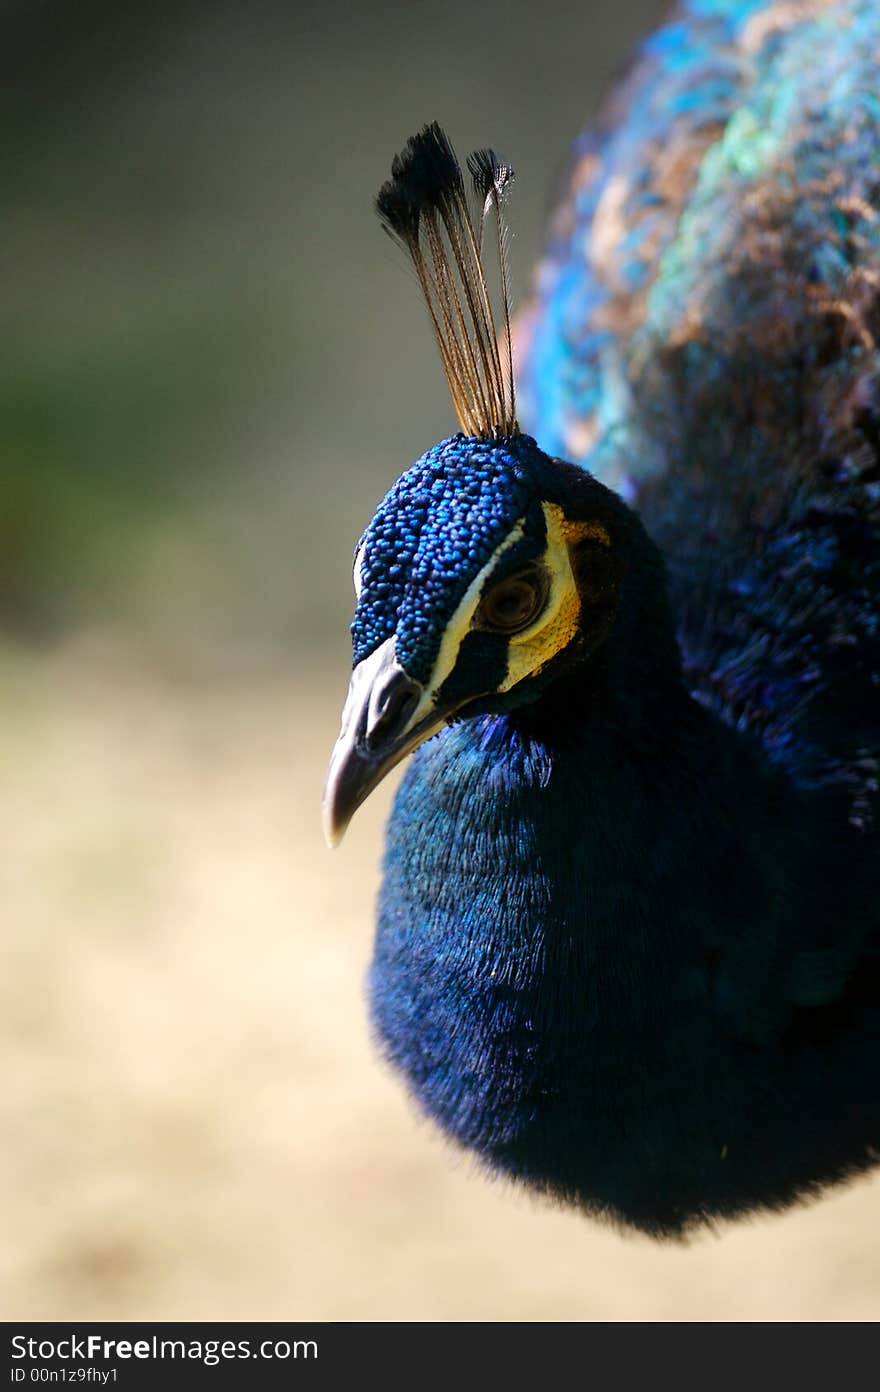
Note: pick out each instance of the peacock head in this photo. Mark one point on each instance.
(489, 569)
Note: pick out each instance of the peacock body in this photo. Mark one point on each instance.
(628, 945)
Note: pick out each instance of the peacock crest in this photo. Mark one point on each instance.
(424, 207)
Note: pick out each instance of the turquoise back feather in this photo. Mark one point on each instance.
(703, 337)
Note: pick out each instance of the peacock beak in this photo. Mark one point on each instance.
(380, 726)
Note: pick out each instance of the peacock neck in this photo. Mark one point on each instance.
(578, 825)
(656, 787)
(560, 884)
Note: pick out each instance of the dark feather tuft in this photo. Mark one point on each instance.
(491, 176)
(424, 175)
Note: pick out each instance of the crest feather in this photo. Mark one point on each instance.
(424, 207)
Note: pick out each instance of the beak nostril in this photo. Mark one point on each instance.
(403, 706)
(394, 703)
(392, 712)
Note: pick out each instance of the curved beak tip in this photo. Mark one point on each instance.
(376, 734)
(334, 829)
(348, 783)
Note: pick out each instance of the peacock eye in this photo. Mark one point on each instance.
(515, 602)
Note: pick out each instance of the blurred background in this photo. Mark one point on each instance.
(212, 366)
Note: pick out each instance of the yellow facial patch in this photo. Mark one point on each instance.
(552, 630)
(556, 625)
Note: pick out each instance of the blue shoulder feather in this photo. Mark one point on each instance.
(703, 336)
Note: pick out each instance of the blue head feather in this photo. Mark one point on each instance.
(432, 533)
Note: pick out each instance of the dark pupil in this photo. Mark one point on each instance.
(511, 605)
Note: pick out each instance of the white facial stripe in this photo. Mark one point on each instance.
(460, 624)
(357, 570)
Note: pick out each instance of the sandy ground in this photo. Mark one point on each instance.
(194, 1121)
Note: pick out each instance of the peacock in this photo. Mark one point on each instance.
(628, 941)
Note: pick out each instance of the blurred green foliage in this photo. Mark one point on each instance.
(211, 362)
(107, 428)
